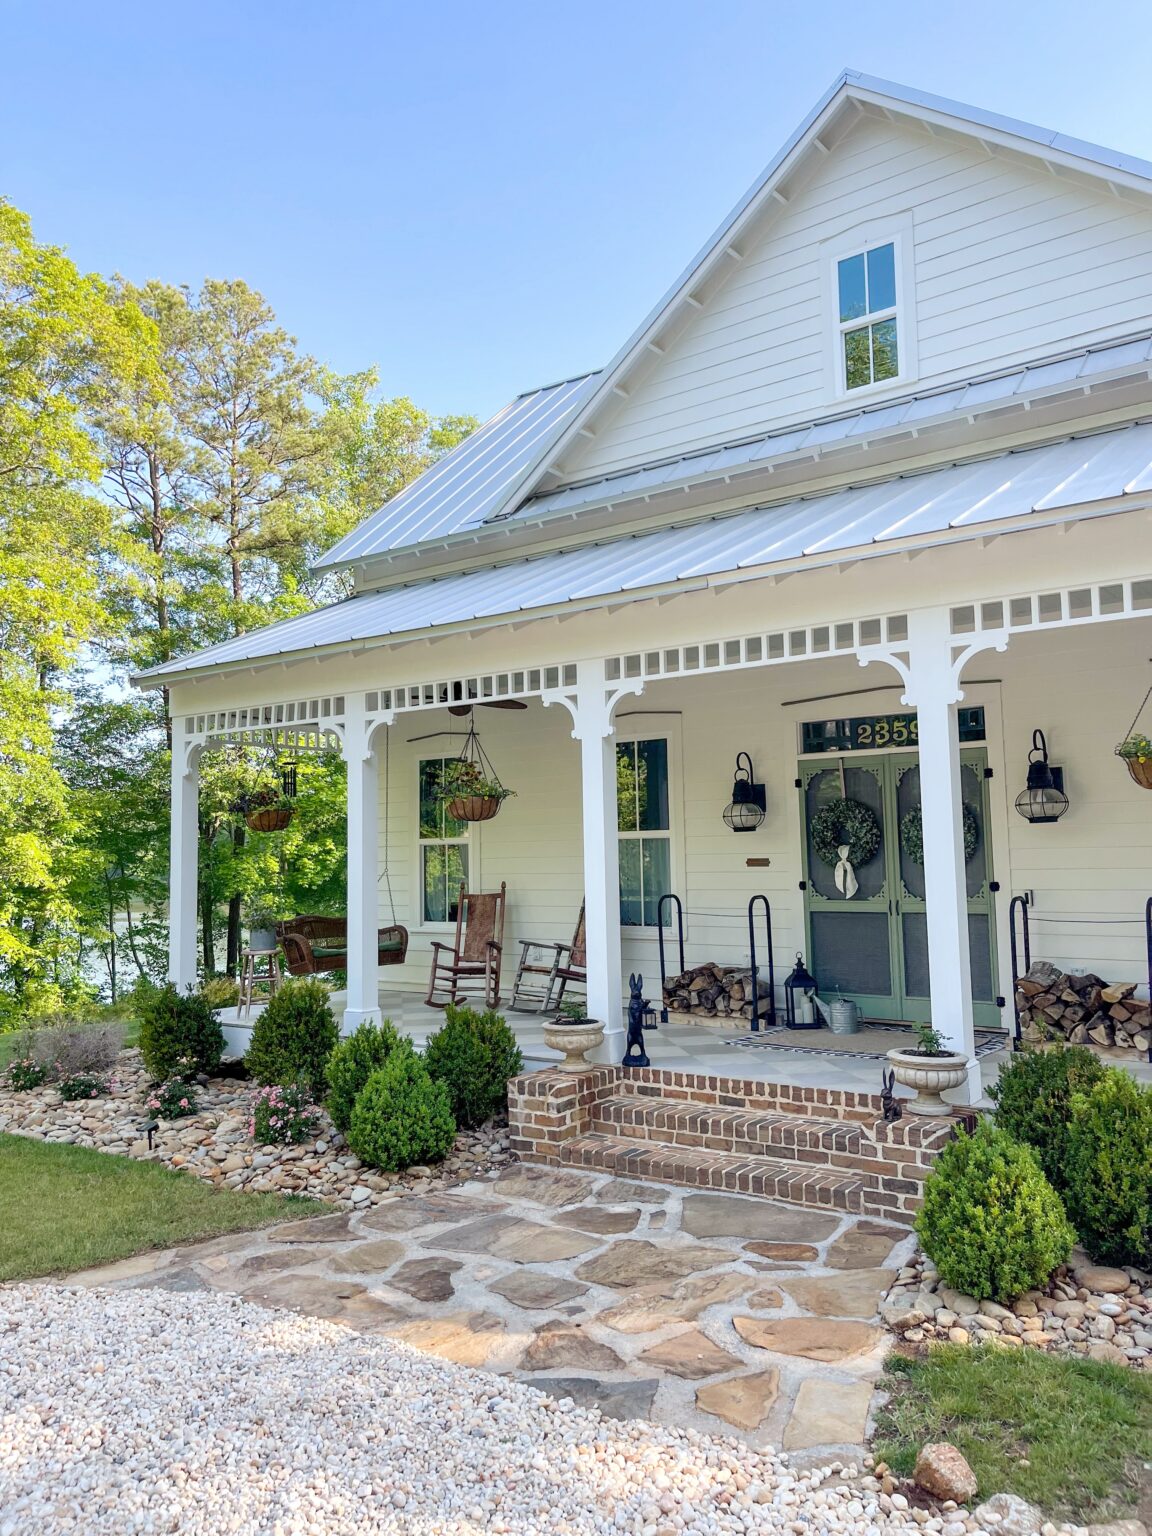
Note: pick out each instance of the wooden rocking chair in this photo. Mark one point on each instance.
(476, 954)
(545, 969)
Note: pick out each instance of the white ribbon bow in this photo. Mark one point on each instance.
(845, 876)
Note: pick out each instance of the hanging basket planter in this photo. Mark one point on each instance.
(473, 807)
(469, 787)
(269, 818)
(1136, 749)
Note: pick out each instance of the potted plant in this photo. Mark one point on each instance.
(262, 922)
(929, 1067)
(268, 809)
(573, 1034)
(467, 793)
(1136, 750)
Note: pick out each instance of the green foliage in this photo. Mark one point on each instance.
(1137, 746)
(1109, 1169)
(172, 1100)
(81, 1085)
(401, 1117)
(294, 1036)
(845, 822)
(220, 992)
(1033, 1099)
(1064, 1433)
(25, 1073)
(179, 1035)
(991, 1222)
(284, 1116)
(474, 1055)
(352, 1063)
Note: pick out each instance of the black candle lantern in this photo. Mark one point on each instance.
(745, 811)
(799, 990)
(1043, 799)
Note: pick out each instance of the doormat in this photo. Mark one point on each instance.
(988, 1041)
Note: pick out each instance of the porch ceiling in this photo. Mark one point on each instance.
(962, 500)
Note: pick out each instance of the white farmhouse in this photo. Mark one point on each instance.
(868, 498)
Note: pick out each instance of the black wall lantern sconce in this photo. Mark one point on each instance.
(799, 990)
(745, 811)
(1043, 799)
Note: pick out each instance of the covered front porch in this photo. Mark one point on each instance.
(622, 751)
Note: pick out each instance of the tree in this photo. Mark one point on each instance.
(63, 344)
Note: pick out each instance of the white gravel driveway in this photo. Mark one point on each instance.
(152, 1411)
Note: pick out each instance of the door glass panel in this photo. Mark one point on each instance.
(972, 788)
(850, 953)
(907, 820)
(859, 784)
(914, 929)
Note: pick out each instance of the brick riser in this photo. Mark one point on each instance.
(701, 1169)
(828, 1148)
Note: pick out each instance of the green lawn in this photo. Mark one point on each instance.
(1083, 1428)
(68, 1208)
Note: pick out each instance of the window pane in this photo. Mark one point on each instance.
(652, 785)
(857, 359)
(626, 786)
(657, 869)
(881, 279)
(885, 362)
(431, 815)
(631, 898)
(445, 869)
(850, 274)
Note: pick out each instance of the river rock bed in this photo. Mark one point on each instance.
(214, 1143)
(1089, 1309)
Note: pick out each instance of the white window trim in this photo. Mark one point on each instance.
(659, 727)
(896, 231)
(419, 924)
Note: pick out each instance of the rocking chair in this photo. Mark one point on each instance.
(545, 969)
(476, 954)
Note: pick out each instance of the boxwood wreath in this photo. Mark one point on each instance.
(912, 834)
(845, 821)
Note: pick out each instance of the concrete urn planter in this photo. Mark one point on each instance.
(930, 1076)
(573, 1038)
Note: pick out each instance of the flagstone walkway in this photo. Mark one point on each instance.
(706, 1310)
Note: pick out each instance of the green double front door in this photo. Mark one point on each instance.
(870, 942)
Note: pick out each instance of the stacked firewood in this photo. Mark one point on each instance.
(715, 991)
(1083, 1010)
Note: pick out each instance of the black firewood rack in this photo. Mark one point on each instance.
(763, 1010)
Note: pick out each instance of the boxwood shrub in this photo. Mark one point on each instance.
(352, 1063)
(473, 1055)
(991, 1222)
(1033, 1099)
(1109, 1170)
(294, 1036)
(179, 1034)
(401, 1116)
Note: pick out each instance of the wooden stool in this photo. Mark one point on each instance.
(253, 977)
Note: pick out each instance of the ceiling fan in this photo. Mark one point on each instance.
(466, 709)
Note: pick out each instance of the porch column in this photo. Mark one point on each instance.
(363, 915)
(933, 689)
(183, 854)
(591, 707)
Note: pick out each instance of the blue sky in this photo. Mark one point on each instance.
(480, 198)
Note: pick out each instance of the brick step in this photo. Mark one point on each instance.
(746, 1132)
(698, 1168)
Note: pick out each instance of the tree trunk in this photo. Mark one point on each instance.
(206, 915)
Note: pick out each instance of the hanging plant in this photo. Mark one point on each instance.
(1136, 751)
(912, 834)
(843, 822)
(468, 786)
(268, 810)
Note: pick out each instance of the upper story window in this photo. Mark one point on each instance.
(870, 343)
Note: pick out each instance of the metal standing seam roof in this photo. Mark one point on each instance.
(1074, 472)
(867, 422)
(468, 483)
